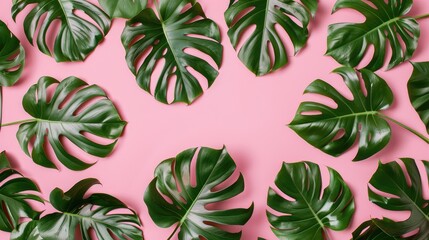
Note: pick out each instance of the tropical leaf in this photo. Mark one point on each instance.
(311, 212)
(76, 38)
(187, 202)
(66, 115)
(335, 130)
(385, 24)
(403, 196)
(12, 57)
(81, 215)
(370, 231)
(123, 8)
(418, 89)
(265, 15)
(152, 38)
(16, 193)
(26, 231)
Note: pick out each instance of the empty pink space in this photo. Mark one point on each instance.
(247, 114)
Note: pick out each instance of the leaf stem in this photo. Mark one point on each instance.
(174, 232)
(18, 122)
(415, 132)
(422, 16)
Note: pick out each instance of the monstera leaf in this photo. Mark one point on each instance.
(152, 39)
(76, 38)
(385, 24)
(26, 231)
(123, 8)
(186, 204)
(418, 89)
(370, 231)
(335, 130)
(79, 216)
(310, 213)
(403, 196)
(16, 192)
(265, 14)
(12, 57)
(66, 115)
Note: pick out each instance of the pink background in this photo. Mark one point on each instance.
(245, 113)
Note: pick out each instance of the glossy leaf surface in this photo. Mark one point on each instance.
(335, 129)
(70, 113)
(12, 57)
(418, 90)
(309, 212)
(370, 231)
(187, 205)
(123, 8)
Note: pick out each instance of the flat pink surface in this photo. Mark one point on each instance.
(245, 113)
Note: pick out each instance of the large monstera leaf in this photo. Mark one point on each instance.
(335, 130)
(187, 208)
(76, 38)
(123, 8)
(16, 192)
(166, 36)
(418, 90)
(385, 24)
(12, 57)
(66, 115)
(265, 14)
(310, 212)
(370, 231)
(402, 196)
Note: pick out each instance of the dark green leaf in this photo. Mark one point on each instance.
(385, 24)
(151, 38)
(12, 57)
(311, 212)
(66, 115)
(26, 231)
(403, 196)
(370, 231)
(123, 8)
(418, 89)
(335, 130)
(79, 214)
(188, 203)
(76, 38)
(15, 193)
(265, 14)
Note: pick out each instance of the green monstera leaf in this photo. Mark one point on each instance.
(165, 35)
(335, 130)
(26, 231)
(385, 24)
(292, 16)
(66, 115)
(310, 212)
(12, 57)
(418, 90)
(123, 8)
(402, 196)
(370, 231)
(186, 205)
(16, 193)
(76, 38)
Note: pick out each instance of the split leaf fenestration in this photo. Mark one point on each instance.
(404, 190)
(12, 57)
(187, 202)
(70, 113)
(386, 24)
(151, 37)
(310, 212)
(16, 193)
(76, 37)
(370, 231)
(123, 8)
(292, 16)
(418, 90)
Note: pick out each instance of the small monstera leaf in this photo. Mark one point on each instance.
(66, 115)
(265, 15)
(418, 90)
(16, 192)
(98, 212)
(335, 130)
(403, 196)
(370, 231)
(166, 35)
(12, 57)
(76, 38)
(311, 212)
(186, 207)
(385, 24)
(123, 8)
